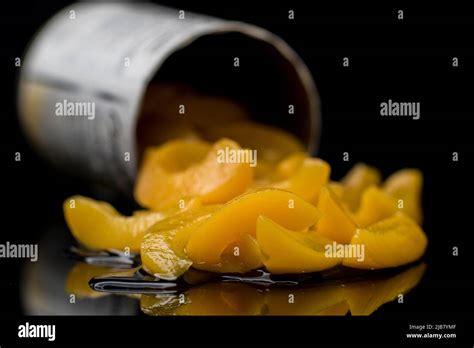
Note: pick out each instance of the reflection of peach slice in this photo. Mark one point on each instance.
(366, 296)
(239, 217)
(406, 184)
(375, 205)
(392, 242)
(338, 309)
(288, 251)
(187, 169)
(97, 225)
(356, 181)
(311, 301)
(222, 298)
(336, 221)
(207, 299)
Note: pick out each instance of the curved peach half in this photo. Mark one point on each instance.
(392, 242)
(239, 217)
(190, 169)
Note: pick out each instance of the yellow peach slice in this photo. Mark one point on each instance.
(375, 205)
(239, 217)
(241, 256)
(356, 181)
(406, 185)
(392, 242)
(307, 180)
(286, 251)
(97, 225)
(336, 221)
(288, 166)
(272, 144)
(183, 169)
(162, 248)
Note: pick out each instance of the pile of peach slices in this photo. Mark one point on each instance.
(285, 214)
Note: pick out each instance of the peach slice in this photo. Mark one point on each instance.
(307, 180)
(392, 242)
(241, 256)
(356, 181)
(406, 184)
(239, 217)
(97, 225)
(336, 221)
(162, 249)
(286, 251)
(375, 205)
(189, 169)
(272, 144)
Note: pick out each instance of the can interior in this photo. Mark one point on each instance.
(265, 82)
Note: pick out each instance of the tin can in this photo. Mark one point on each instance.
(86, 72)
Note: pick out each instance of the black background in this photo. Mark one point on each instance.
(408, 60)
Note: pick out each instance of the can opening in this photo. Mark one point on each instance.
(248, 70)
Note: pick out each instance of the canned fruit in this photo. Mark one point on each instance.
(212, 210)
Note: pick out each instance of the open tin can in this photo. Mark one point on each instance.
(86, 72)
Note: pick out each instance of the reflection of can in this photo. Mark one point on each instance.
(86, 72)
